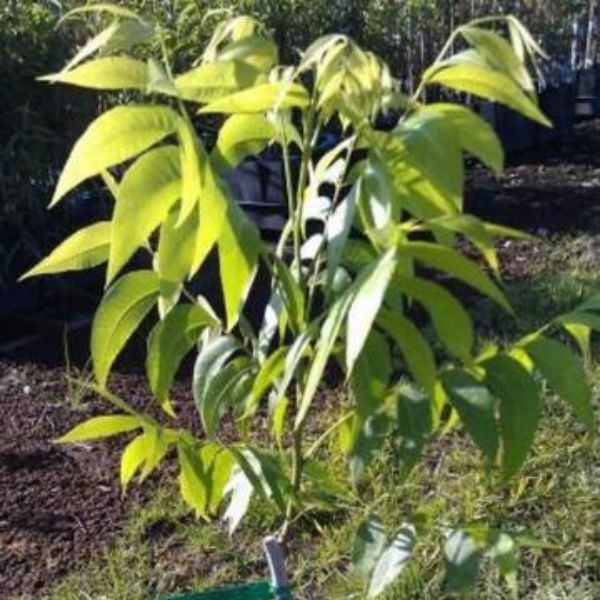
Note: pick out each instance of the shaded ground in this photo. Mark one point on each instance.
(61, 506)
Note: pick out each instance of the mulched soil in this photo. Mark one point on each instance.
(61, 505)
(58, 505)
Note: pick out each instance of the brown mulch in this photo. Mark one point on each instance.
(61, 505)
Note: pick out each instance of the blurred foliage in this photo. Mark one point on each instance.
(37, 124)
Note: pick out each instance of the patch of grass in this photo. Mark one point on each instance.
(556, 499)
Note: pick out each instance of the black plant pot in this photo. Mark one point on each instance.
(587, 103)
(258, 185)
(557, 103)
(516, 132)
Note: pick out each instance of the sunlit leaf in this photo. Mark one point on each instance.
(146, 193)
(85, 249)
(123, 308)
(114, 137)
(100, 427)
(109, 73)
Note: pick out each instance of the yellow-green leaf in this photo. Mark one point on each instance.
(116, 136)
(499, 53)
(212, 213)
(100, 427)
(520, 409)
(457, 265)
(491, 85)
(475, 134)
(565, 373)
(211, 81)
(109, 73)
(85, 249)
(254, 50)
(168, 343)
(121, 311)
(146, 193)
(134, 456)
(260, 98)
(240, 136)
(193, 158)
(239, 246)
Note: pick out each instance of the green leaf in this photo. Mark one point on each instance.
(114, 137)
(273, 479)
(209, 363)
(451, 321)
(221, 469)
(371, 375)
(157, 448)
(220, 392)
(193, 481)
(414, 423)
(269, 372)
(499, 53)
(462, 556)
(290, 293)
(415, 349)
(253, 50)
(108, 73)
(520, 409)
(475, 134)
(239, 247)
(329, 333)
(213, 208)
(193, 156)
(241, 136)
(211, 81)
(100, 427)
(490, 85)
(118, 36)
(123, 308)
(85, 249)
(504, 551)
(168, 343)
(432, 147)
(93, 45)
(134, 456)
(261, 98)
(146, 193)
(475, 405)
(240, 489)
(338, 231)
(413, 188)
(455, 264)
(369, 543)
(474, 230)
(299, 350)
(565, 373)
(393, 560)
(174, 258)
(369, 291)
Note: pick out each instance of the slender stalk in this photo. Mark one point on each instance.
(331, 430)
(290, 193)
(319, 257)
